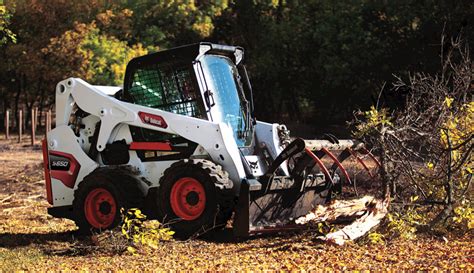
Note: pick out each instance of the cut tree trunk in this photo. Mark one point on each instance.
(365, 213)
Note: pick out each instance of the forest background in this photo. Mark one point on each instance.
(311, 63)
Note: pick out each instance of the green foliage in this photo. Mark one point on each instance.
(108, 57)
(458, 129)
(141, 232)
(86, 53)
(170, 23)
(309, 61)
(374, 120)
(316, 60)
(404, 224)
(116, 23)
(6, 35)
(27, 76)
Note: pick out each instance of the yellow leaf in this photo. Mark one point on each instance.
(132, 250)
(448, 101)
(138, 214)
(470, 224)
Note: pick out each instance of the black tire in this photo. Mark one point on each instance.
(113, 183)
(219, 200)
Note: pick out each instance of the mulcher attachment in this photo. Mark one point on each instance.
(273, 202)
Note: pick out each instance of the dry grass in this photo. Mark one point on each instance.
(31, 239)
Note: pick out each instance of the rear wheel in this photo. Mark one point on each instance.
(99, 198)
(194, 197)
(100, 208)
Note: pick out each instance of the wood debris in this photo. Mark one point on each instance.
(365, 213)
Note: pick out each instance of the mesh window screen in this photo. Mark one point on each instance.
(169, 88)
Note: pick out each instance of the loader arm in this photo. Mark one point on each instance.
(215, 138)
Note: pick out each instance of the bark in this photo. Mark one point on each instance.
(375, 212)
(339, 209)
(443, 215)
(42, 96)
(17, 103)
(388, 185)
(366, 213)
(448, 185)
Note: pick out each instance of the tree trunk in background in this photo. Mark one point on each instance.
(17, 104)
(5, 104)
(42, 96)
(40, 115)
(20, 125)
(28, 114)
(33, 127)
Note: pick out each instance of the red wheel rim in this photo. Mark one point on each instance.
(100, 208)
(188, 198)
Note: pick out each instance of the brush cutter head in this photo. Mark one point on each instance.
(272, 203)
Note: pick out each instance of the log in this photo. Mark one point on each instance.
(316, 145)
(361, 226)
(366, 213)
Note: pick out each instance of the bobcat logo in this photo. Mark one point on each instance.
(253, 165)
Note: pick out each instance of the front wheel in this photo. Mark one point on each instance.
(191, 197)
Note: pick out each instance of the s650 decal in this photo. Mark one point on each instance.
(59, 163)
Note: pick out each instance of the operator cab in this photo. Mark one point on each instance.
(199, 80)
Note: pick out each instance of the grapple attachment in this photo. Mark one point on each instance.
(272, 202)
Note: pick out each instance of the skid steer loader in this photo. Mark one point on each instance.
(180, 141)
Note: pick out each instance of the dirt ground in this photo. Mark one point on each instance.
(31, 239)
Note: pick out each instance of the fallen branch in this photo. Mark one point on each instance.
(6, 199)
(366, 213)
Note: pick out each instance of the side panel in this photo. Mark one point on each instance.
(62, 139)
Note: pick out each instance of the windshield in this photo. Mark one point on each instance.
(222, 80)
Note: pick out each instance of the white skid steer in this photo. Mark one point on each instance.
(179, 140)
